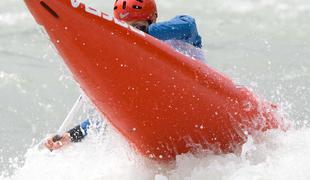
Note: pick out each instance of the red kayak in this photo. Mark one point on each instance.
(163, 102)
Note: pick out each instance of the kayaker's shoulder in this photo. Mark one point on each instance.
(178, 20)
(185, 18)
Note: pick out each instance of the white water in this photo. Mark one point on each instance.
(277, 155)
(263, 44)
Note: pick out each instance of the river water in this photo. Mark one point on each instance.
(263, 44)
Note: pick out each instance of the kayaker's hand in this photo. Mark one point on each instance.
(57, 141)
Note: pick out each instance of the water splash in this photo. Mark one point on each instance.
(273, 155)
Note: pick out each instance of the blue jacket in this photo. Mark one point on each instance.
(179, 28)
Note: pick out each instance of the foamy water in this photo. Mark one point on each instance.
(274, 155)
(264, 45)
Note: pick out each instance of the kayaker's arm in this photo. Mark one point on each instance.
(75, 134)
(79, 132)
(179, 28)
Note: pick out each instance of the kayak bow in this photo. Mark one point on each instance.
(162, 101)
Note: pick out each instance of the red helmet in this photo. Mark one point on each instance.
(131, 10)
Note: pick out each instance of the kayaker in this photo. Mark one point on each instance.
(180, 32)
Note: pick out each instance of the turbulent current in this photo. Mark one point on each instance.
(262, 44)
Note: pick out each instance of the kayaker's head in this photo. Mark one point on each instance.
(138, 13)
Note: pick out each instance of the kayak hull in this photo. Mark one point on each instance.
(163, 102)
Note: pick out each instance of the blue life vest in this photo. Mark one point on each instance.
(182, 28)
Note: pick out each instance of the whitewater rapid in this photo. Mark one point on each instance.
(263, 44)
(274, 155)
